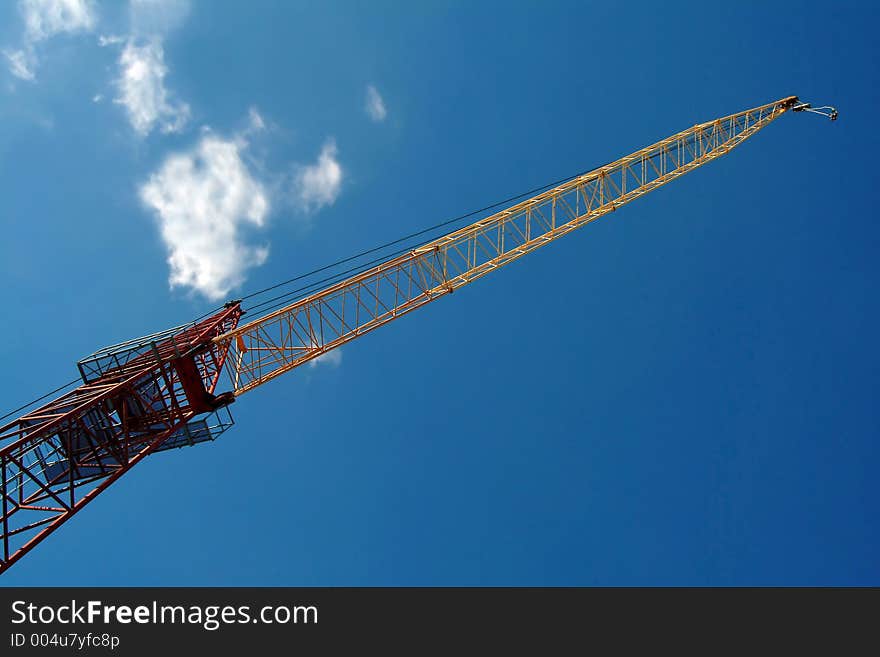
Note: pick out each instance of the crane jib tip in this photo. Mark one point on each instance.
(825, 110)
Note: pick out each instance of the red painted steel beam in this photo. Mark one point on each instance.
(56, 459)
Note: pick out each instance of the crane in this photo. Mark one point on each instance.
(160, 391)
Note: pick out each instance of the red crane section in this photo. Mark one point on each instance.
(136, 398)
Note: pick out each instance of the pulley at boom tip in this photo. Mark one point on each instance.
(825, 110)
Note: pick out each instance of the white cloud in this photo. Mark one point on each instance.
(255, 120)
(110, 40)
(141, 88)
(203, 199)
(318, 184)
(44, 19)
(21, 63)
(332, 358)
(375, 105)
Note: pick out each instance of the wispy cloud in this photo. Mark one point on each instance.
(110, 40)
(375, 104)
(332, 358)
(44, 19)
(21, 63)
(318, 185)
(204, 199)
(140, 86)
(256, 123)
(141, 89)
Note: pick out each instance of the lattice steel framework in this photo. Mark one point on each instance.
(158, 392)
(57, 458)
(278, 342)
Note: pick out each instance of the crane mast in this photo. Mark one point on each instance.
(160, 392)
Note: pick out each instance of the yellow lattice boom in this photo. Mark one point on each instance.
(282, 340)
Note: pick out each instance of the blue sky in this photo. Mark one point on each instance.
(681, 393)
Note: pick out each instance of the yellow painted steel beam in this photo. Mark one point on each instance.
(268, 346)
